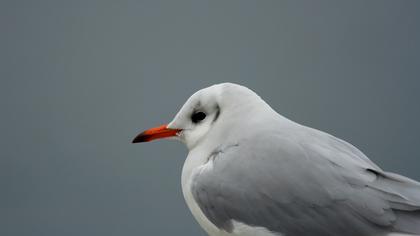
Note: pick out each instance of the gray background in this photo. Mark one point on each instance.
(79, 79)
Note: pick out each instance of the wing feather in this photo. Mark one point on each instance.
(295, 185)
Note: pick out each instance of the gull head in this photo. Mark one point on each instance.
(210, 112)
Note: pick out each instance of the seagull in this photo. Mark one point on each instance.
(252, 172)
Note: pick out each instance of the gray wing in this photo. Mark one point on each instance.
(316, 185)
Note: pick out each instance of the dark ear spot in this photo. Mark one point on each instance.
(217, 113)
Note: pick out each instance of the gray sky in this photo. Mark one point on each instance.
(79, 79)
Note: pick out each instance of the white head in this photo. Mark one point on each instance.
(216, 108)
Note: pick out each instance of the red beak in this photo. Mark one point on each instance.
(155, 133)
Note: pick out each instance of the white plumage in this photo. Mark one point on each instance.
(251, 171)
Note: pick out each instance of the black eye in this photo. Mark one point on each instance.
(198, 116)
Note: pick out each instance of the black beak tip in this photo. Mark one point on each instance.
(140, 138)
